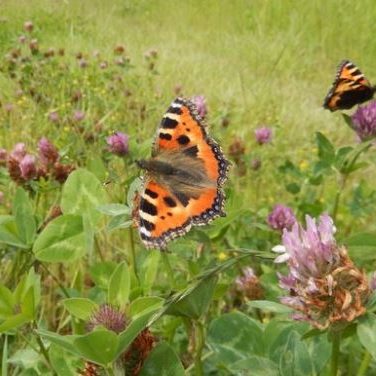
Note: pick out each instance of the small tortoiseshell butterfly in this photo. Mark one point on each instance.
(183, 182)
(349, 88)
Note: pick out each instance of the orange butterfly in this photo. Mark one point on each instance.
(349, 88)
(183, 180)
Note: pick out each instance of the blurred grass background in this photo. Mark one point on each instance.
(264, 60)
(257, 62)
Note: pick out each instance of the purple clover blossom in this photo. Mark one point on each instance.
(309, 251)
(200, 103)
(324, 285)
(8, 107)
(53, 117)
(263, 135)
(248, 274)
(78, 115)
(281, 217)
(118, 143)
(364, 121)
(108, 316)
(18, 152)
(28, 167)
(47, 151)
(248, 285)
(3, 157)
(256, 164)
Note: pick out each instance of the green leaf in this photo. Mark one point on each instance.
(114, 209)
(134, 187)
(162, 361)
(119, 287)
(294, 357)
(348, 121)
(9, 232)
(63, 240)
(25, 358)
(98, 346)
(143, 305)
(366, 331)
(13, 322)
(349, 163)
(6, 302)
(82, 194)
(326, 150)
(24, 217)
(341, 155)
(119, 221)
(61, 362)
(260, 367)
(102, 272)
(268, 306)
(293, 188)
(28, 304)
(362, 245)
(195, 301)
(97, 167)
(81, 308)
(234, 336)
(66, 342)
(150, 270)
(29, 281)
(131, 332)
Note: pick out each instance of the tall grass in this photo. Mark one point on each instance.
(258, 62)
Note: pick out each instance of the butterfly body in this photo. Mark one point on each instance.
(349, 88)
(183, 179)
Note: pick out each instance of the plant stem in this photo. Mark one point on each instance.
(364, 365)
(338, 195)
(170, 272)
(336, 340)
(63, 289)
(132, 253)
(42, 348)
(199, 347)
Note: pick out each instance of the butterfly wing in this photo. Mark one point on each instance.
(167, 211)
(349, 88)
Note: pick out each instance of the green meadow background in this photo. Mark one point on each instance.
(258, 63)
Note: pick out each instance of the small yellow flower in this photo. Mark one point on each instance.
(222, 256)
(303, 165)
(66, 129)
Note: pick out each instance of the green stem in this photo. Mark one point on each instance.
(42, 347)
(110, 371)
(63, 289)
(170, 272)
(199, 347)
(338, 196)
(132, 253)
(364, 365)
(336, 340)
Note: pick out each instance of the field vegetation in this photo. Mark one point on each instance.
(80, 293)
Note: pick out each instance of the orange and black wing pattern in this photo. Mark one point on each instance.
(349, 88)
(165, 213)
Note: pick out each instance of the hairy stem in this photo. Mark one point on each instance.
(338, 195)
(364, 365)
(336, 340)
(132, 253)
(199, 347)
